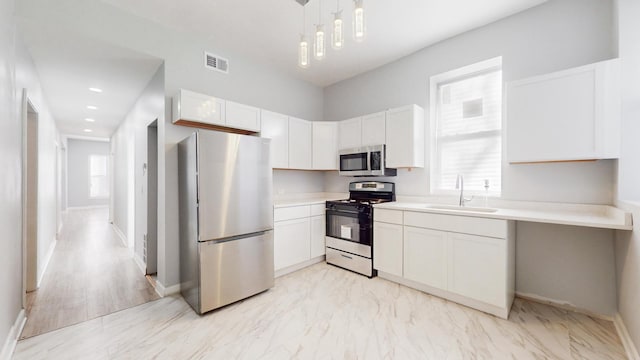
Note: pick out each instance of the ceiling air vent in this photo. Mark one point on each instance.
(215, 62)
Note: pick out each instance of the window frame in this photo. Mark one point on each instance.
(91, 176)
(436, 81)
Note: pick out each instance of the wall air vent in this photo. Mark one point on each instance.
(215, 62)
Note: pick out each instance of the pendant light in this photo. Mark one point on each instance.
(303, 46)
(319, 50)
(337, 33)
(358, 21)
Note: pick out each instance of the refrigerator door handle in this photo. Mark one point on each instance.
(237, 237)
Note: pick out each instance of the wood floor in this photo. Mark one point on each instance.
(91, 274)
(323, 312)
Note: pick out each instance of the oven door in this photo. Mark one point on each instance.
(349, 225)
(354, 163)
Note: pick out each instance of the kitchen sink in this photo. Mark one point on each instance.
(460, 208)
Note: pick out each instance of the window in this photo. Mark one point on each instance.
(98, 181)
(467, 128)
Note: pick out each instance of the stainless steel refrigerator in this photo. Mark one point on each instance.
(226, 218)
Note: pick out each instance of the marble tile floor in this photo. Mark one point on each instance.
(90, 274)
(323, 312)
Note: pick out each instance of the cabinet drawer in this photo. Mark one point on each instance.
(291, 212)
(317, 209)
(349, 261)
(460, 224)
(388, 216)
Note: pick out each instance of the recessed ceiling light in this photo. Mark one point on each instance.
(90, 120)
(88, 130)
(97, 90)
(91, 107)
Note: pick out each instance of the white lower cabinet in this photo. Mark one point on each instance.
(469, 260)
(387, 248)
(477, 268)
(299, 233)
(292, 242)
(317, 236)
(425, 256)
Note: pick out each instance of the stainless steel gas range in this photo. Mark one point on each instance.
(349, 229)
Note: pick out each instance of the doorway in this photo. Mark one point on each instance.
(150, 252)
(30, 195)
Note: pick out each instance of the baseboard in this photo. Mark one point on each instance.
(629, 346)
(141, 265)
(120, 234)
(163, 291)
(13, 336)
(563, 305)
(47, 260)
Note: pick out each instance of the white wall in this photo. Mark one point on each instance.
(11, 180)
(129, 144)
(628, 243)
(78, 152)
(556, 35)
(48, 146)
(249, 82)
(122, 150)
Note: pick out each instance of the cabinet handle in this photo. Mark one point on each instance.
(348, 257)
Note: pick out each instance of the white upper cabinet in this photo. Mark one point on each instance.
(350, 133)
(373, 129)
(242, 116)
(567, 115)
(405, 137)
(276, 127)
(194, 107)
(300, 138)
(325, 155)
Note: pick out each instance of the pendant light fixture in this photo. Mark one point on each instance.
(337, 33)
(358, 21)
(319, 49)
(303, 46)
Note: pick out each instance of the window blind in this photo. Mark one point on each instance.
(468, 137)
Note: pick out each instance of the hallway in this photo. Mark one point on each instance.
(91, 274)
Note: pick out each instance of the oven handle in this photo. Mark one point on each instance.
(342, 212)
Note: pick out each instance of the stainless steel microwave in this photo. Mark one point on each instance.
(364, 161)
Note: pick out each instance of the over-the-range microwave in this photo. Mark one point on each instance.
(364, 161)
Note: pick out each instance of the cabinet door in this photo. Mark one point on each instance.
(425, 256)
(292, 242)
(373, 129)
(276, 127)
(567, 115)
(405, 137)
(200, 108)
(325, 155)
(387, 248)
(350, 133)
(317, 236)
(299, 143)
(242, 116)
(477, 267)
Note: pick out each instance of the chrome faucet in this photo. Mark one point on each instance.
(460, 186)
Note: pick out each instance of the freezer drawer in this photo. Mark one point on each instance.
(235, 269)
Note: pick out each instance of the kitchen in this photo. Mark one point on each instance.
(560, 35)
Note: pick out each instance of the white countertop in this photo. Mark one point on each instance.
(306, 199)
(597, 216)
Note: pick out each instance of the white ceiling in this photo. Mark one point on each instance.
(69, 64)
(269, 30)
